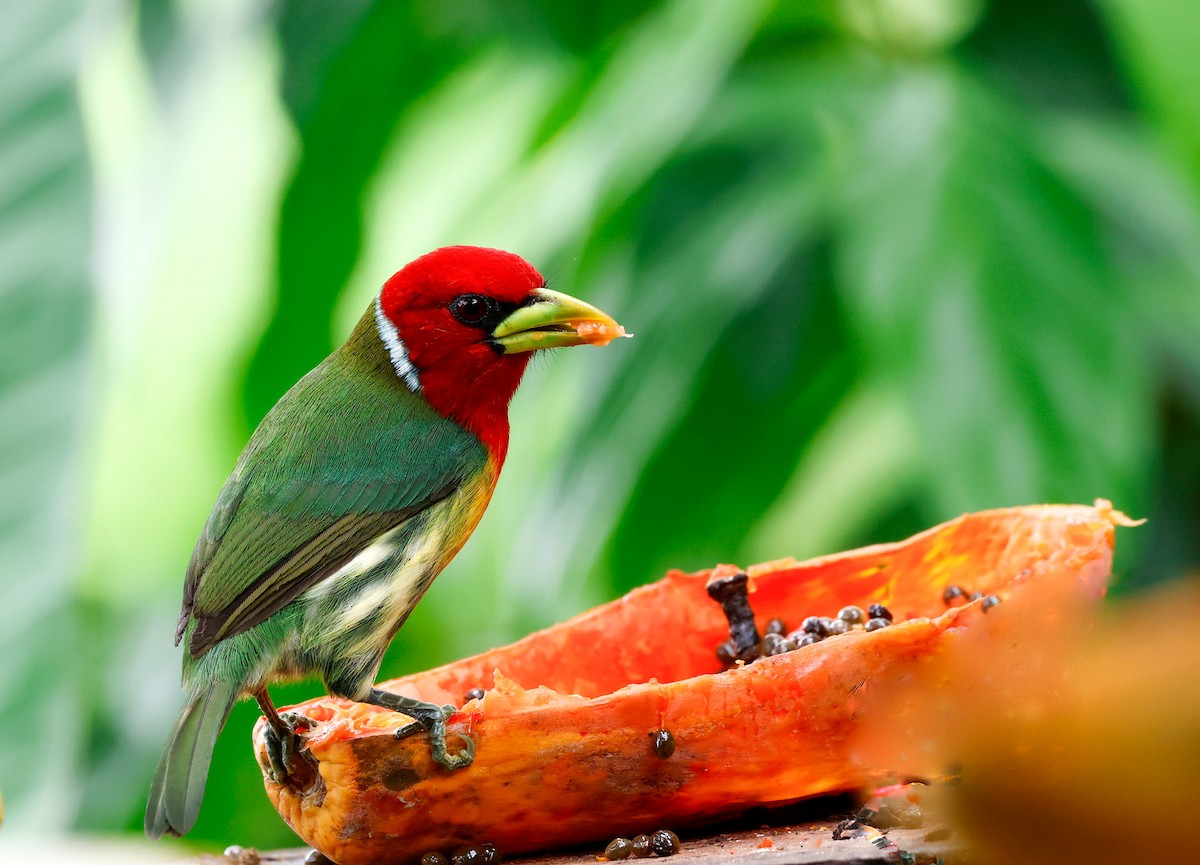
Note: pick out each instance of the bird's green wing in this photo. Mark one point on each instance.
(343, 458)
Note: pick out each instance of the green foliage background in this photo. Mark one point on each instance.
(886, 260)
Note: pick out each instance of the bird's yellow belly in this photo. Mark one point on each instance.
(360, 607)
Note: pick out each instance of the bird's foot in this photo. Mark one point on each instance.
(429, 718)
(289, 764)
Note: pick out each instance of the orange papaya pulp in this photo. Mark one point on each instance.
(564, 751)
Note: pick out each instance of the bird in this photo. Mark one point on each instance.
(354, 492)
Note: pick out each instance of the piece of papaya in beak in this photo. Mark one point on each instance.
(551, 319)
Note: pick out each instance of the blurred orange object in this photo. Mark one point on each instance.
(1072, 743)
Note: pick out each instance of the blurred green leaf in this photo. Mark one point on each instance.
(161, 37)
(1056, 56)
(766, 386)
(980, 283)
(44, 373)
(1157, 40)
(346, 101)
(1153, 222)
(853, 484)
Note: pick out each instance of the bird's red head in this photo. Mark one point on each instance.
(460, 324)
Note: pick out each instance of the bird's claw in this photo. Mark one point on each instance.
(289, 764)
(464, 758)
(433, 722)
(409, 730)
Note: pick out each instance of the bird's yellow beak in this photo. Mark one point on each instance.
(551, 319)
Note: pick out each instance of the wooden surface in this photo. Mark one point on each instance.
(769, 839)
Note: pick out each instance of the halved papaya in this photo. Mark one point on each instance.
(564, 735)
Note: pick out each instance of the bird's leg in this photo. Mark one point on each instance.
(289, 764)
(431, 718)
(277, 732)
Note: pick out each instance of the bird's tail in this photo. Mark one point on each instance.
(178, 785)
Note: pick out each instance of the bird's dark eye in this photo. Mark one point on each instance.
(473, 309)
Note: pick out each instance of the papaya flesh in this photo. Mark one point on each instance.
(564, 734)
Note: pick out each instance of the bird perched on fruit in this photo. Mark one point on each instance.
(355, 491)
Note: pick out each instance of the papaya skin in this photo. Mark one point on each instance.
(565, 757)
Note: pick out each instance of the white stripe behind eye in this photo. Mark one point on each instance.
(396, 348)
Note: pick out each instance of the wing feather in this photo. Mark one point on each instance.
(323, 555)
(315, 486)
